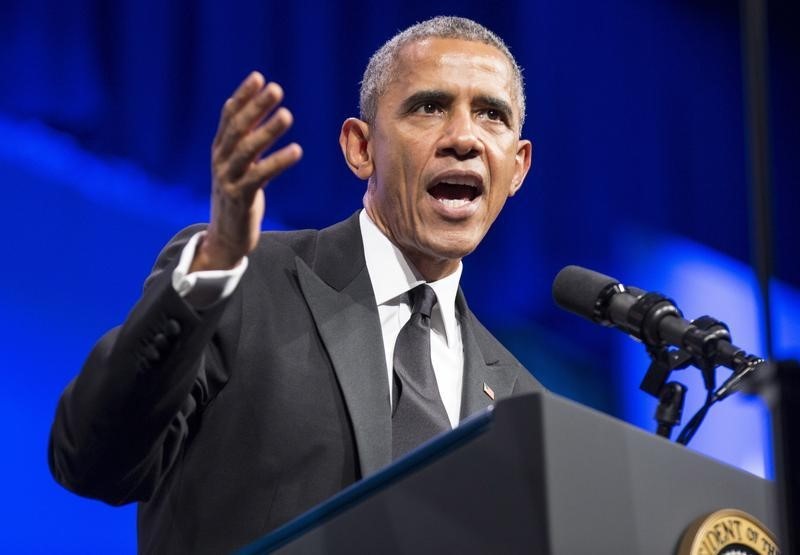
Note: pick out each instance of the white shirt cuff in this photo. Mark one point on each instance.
(206, 288)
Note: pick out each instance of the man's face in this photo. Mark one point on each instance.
(445, 151)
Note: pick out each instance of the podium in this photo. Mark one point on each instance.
(534, 474)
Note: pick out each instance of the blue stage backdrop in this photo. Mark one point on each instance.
(636, 111)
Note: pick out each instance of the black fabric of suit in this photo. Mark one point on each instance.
(245, 415)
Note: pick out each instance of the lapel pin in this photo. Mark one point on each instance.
(488, 390)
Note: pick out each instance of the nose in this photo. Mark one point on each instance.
(459, 138)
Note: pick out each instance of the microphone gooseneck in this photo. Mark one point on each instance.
(657, 322)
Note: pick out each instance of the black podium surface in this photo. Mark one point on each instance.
(535, 474)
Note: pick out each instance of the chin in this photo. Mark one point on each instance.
(453, 249)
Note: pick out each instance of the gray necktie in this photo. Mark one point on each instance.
(418, 413)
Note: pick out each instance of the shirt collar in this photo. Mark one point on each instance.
(392, 275)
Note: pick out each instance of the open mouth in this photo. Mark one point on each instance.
(456, 192)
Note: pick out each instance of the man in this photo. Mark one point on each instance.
(261, 373)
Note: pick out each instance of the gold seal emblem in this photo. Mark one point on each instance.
(728, 532)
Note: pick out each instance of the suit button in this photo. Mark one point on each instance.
(172, 328)
(160, 341)
(151, 353)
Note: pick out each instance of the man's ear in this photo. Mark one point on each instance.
(354, 140)
(522, 165)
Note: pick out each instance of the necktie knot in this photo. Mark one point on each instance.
(423, 300)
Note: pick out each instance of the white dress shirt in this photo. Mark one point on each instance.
(206, 288)
(391, 276)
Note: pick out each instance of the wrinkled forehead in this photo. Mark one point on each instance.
(441, 62)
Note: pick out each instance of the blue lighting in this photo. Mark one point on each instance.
(703, 281)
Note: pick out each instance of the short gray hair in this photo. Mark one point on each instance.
(378, 74)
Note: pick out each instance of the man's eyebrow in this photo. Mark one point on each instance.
(495, 103)
(433, 96)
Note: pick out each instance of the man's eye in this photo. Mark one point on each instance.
(428, 108)
(494, 115)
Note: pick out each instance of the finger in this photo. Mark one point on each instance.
(248, 117)
(272, 166)
(263, 137)
(251, 85)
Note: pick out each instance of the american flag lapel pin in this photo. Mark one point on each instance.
(488, 390)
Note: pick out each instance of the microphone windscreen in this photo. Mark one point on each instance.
(577, 289)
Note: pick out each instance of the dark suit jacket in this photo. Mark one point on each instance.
(228, 423)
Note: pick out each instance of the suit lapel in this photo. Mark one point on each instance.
(339, 293)
(485, 375)
(337, 288)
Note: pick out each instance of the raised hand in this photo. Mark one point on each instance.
(250, 123)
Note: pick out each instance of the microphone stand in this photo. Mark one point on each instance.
(780, 384)
(670, 408)
(701, 353)
(671, 395)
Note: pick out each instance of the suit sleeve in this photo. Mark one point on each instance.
(121, 424)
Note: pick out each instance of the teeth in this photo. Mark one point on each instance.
(454, 202)
(466, 184)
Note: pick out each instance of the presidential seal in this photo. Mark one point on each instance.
(728, 532)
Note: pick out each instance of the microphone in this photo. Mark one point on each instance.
(654, 320)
